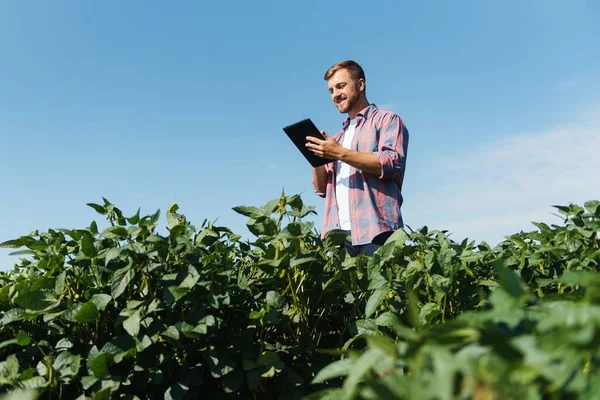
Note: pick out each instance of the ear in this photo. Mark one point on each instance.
(362, 84)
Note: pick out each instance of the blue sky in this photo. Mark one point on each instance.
(149, 103)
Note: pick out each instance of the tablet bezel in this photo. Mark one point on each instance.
(297, 132)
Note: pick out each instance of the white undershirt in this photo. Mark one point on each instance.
(342, 181)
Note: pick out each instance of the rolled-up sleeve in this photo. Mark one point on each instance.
(393, 141)
(329, 171)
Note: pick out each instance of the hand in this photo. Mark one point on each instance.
(328, 148)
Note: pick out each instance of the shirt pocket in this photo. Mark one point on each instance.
(367, 140)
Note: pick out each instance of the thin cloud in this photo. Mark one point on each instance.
(499, 189)
(567, 84)
(388, 106)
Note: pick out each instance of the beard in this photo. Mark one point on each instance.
(348, 104)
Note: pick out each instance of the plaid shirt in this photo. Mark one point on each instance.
(375, 201)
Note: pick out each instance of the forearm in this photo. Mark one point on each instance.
(366, 162)
(320, 180)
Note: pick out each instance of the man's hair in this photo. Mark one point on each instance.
(353, 68)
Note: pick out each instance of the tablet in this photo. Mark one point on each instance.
(298, 132)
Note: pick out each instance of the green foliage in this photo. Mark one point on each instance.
(125, 312)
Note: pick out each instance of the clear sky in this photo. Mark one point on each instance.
(148, 103)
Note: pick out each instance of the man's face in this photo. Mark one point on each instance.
(345, 91)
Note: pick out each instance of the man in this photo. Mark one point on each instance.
(363, 187)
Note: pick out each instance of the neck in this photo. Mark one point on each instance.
(361, 104)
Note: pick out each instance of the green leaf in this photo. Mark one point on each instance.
(294, 262)
(335, 238)
(233, 381)
(13, 244)
(219, 362)
(64, 343)
(271, 363)
(593, 207)
(363, 365)
(103, 394)
(9, 369)
(271, 206)
(98, 362)
(334, 370)
(413, 311)
(172, 333)
(36, 382)
(269, 358)
(375, 299)
(251, 212)
(13, 315)
(36, 300)
(22, 339)
(115, 232)
(376, 276)
(191, 277)
(581, 278)
(134, 219)
(568, 314)
(428, 313)
(508, 279)
(132, 324)
(366, 327)
(470, 256)
(21, 394)
(144, 343)
(177, 391)
(273, 298)
(120, 281)
(22, 253)
(38, 245)
(101, 300)
(87, 246)
(382, 343)
(206, 237)
(111, 254)
(173, 218)
(399, 237)
(134, 231)
(67, 364)
(87, 313)
(59, 283)
(262, 226)
(387, 319)
(134, 304)
(99, 209)
(120, 348)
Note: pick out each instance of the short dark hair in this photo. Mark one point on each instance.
(353, 68)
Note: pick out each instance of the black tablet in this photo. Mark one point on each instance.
(298, 132)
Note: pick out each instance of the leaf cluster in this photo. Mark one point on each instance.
(126, 312)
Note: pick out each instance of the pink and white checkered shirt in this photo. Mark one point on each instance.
(375, 201)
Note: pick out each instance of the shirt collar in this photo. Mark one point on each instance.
(362, 114)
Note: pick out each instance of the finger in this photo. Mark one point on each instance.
(313, 146)
(314, 140)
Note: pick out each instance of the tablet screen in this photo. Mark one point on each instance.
(298, 132)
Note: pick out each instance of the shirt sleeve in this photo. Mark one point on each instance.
(393, 141)
(329, 171)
